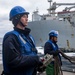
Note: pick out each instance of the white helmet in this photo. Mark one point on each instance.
(53, 33)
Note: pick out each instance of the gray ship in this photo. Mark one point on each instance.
(63, 21)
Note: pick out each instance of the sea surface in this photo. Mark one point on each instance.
(5, 26)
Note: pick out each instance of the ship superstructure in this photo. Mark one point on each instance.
(63, 21)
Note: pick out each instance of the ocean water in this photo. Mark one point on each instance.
(5, 26)
(0, 50)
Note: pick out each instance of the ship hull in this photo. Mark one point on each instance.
(40, 30)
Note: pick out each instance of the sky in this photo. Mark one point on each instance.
(29, 5)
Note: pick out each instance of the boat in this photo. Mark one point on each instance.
(62, 21)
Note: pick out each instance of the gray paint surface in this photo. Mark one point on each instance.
(40, 30)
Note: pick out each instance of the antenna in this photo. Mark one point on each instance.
(50, 6)
(50, 2)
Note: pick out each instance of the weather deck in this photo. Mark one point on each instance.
(64, 72)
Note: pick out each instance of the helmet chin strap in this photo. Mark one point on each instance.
(22, 24)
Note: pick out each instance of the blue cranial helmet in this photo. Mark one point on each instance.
(16, 11)
(53, 33)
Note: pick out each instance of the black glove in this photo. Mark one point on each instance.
(40, 62)
(41, 69)
(56, 52)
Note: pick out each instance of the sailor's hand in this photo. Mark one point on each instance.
(41, 69)
(40, 63)
(56, 52)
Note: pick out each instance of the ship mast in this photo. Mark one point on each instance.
(55, 5)
(49, 11)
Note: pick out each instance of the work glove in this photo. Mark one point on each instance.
(41, 67)
(40, 63)
(56, 52)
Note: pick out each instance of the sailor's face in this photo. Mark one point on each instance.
(24, 20)
(55, 39)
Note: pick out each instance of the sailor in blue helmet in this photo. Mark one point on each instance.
(19, 50)
(51, 48)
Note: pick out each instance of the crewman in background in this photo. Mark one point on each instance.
(51, 47)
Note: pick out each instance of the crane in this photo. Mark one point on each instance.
(55, 5)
